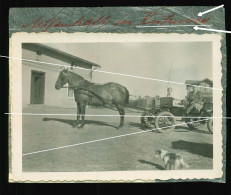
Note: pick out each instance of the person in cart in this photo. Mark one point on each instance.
(194, 100)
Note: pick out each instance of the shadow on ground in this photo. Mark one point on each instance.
(176, 129)
(193, 130)
(140, 126)
(151, 163)
(203, 149)
(88, 122)
(187, 129)
(181, 129)
(200, 131)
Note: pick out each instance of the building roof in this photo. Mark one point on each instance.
(197, 82)
(60, 55)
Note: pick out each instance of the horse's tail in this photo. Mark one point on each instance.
(127, 96)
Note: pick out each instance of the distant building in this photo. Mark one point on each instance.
(148, 100)
(207, 93)
(38, 79)
(132, 98)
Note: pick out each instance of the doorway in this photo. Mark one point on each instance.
(37, 87)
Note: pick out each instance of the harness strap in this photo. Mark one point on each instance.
(93, 94)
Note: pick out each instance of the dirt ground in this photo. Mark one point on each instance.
(133, 152)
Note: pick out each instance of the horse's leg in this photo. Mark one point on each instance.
(78, 117)
(78, 113)
(122, 112)
(83, 108)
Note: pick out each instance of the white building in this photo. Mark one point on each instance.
(38, 79)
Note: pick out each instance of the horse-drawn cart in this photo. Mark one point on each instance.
(165, 110)
(160, 116)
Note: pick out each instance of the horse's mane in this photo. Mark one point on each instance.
(75, 76)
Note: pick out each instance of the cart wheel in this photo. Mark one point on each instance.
(165, 122)
(147, 120)
(210, 125)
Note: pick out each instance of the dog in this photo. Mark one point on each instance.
(171, 159)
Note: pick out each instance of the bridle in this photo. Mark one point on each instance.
(64, 74)
(68, 81)
(65, 77)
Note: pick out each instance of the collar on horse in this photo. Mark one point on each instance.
(76, 85)
(87, 88)
(88, 91)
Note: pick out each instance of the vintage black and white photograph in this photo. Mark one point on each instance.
(116, 105)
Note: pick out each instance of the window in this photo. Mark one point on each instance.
(70, 93)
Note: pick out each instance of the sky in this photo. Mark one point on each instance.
(190, 61)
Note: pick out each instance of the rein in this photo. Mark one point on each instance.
(80, 88)
(100, 98)
(70, 87)
(93, 95)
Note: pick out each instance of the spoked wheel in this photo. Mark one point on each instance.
(165, 122)
(210, 125)
(192, 123)
(148, 120)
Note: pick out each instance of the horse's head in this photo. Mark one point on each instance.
(62, 79)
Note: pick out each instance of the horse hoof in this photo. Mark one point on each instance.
(81, 126)
(120, 127)
(75, 124)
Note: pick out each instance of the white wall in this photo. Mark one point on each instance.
(52, 97)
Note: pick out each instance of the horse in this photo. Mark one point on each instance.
(85, 93)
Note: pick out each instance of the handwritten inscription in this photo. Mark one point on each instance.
(150, 18)
(44, 25)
